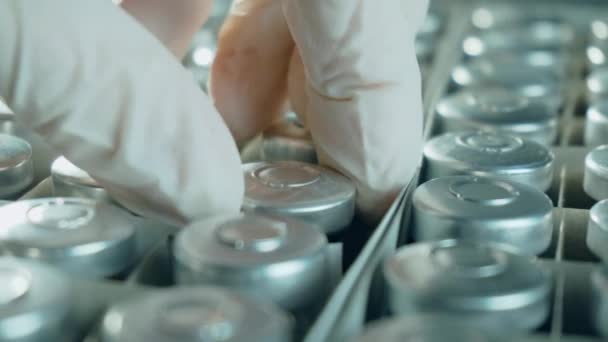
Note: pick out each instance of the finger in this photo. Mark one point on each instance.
(248, 77)
(173, 22)
(110, 98)
(364, 98)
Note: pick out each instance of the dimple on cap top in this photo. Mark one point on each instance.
(304, 191)
(489, 154)
(488, 284)
(273, 257)
(81, 236)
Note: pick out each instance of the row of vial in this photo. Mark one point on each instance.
(482, 215)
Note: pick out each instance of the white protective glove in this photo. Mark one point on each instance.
(105, 92)
(352, 77)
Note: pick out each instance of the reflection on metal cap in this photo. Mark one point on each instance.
(499, 109)
(16, 168)
(489, 154)
(493, 287)
(204, 314)
(426, 328)
(304, 191)
(273, 257)
(34, 301)
(485, 210)
(595, 182)
(83, 237)
(71, 181)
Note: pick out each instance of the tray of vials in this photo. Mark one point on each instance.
(505, 236)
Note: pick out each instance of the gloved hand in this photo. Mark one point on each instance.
(351, 73)
(105, 93)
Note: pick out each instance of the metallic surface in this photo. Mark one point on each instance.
(274, 258)
(484, 210)
(303, 191)
(204, 314)
(71, 181)
(597, 230)
(34, 302)
(496, 108)
(490, 286)
(425, 328)
(599, 285)
(530, 33)
(595, 181)
(596, 124)
(83, 237)
(597, 84)
(16, 167)
(489, 154)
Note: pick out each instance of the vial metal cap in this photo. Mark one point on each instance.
(16, 168)
(536, 74)
(71, 181)
(599, 285)
(596, 124)
(484, 210)
(489, 154)
(597, 51)
(288, 140)
(425, 328)
(595, 181)
(34, 301)
(597, 230)
(264, 255)
(597, 84)
(308, 192)
(526, 34)
(81, 236)
(204, 314)
(471, 279)
(500, 109)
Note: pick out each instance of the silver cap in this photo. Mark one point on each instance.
(489, 285)
(34, 301)
(425, 328)
(595, 181)
(274, 258)
(526, 34)
(597, 230)
(500, 109)
(16, 168)
(485, 210)
(83, 237)
(596, 124)
(537, 74)
(203, 314)
(308, 192)
(597, 50)
(597, 84)
(489, 154)
(599, 286)
(71, 181)
(288, 140)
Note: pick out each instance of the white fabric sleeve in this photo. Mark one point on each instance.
(105, 93)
